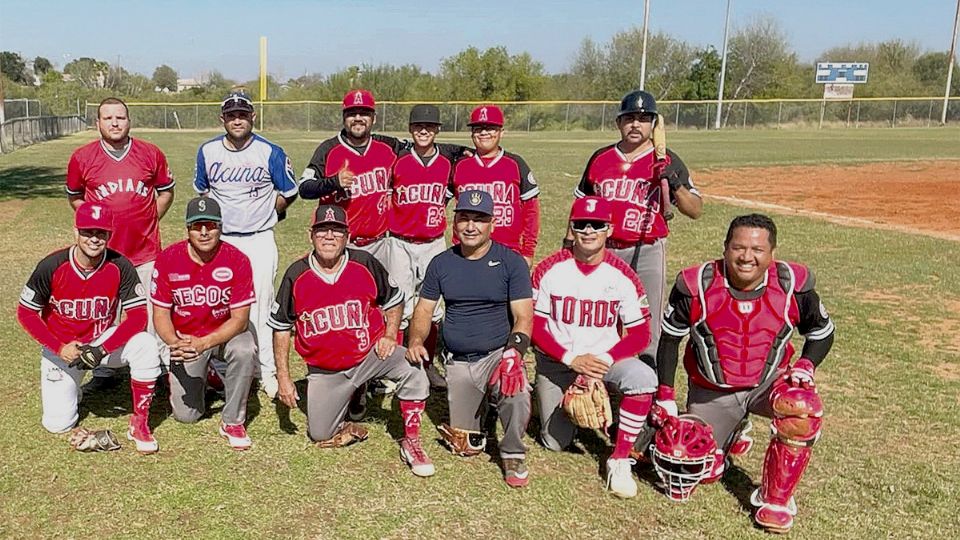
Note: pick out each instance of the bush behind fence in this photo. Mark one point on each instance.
(567, 116)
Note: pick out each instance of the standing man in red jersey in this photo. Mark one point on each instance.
(506, 177)
(130, 177)
(345, 312)
(418, 218)
(70, 306)
(202, 292)
(630, 176)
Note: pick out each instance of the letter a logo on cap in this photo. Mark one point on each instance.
(591, 205)
(483, 115)
(358, 98)
(330, 216)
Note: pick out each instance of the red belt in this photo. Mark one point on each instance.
(620, 244)
(412, 240)
(361, 241)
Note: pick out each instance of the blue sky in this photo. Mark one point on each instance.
(323, 36)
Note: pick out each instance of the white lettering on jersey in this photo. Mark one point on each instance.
(83, 309)
(121, 186)
(420, 193)
(198, 295)
(347, 315)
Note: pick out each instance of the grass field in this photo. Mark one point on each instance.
(887, 465)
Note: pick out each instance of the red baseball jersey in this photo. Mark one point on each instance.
(80, 305)
(127, 186)
(419, 208)
(368, 200)
(337, 317)
(509, 180)
(200, 296)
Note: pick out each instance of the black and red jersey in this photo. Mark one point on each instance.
(509, 180)
(79, 305)
(337, 318)
(420, 196)
(634, 189)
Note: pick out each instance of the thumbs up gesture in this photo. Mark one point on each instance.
(345, 176)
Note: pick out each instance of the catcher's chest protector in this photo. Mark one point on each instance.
(739, 343)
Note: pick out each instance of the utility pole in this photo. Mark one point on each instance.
(952, 59)
(723, 67)
(643, 56)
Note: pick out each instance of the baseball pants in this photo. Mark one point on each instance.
(188, 380)
(60, 385)
(725, 411)
(261, 249)
(145, 273)
(467, 388)
(652, 269)
(629, 376)
(408, 264)
(379, 249)
(328, 392)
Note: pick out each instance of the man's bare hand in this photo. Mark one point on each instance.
(589, 365)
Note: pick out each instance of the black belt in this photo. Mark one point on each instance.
(412, 240)
(619, 244)
(244, 233)
(362, 241)
(472, 357)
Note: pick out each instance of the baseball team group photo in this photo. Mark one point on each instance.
(433, 318)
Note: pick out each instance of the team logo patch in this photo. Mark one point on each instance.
(156, 273)
(476, 199)
(591, 205)
(138, 288)
(289, 168)
(330, 216)
(668, 312)
(178, 277)
(28, 294)
(483, 115)
(275, 308)
(531, 179)
(95, 211)
(222, 274)
(745, 307)
(153, 287)
(358, 98)
(644, 302)
(823, 311)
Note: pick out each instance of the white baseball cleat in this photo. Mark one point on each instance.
(411, 451)
(236, 435)
(139, 433)
(620, 480)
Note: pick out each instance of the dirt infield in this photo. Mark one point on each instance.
(920, 198)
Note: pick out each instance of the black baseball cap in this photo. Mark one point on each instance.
(425, 114)
(203, 209)
(329, 213)
(474, 200)
(236, 101)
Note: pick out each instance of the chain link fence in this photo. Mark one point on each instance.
(21, 108)
(324, 116)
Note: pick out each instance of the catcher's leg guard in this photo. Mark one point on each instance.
(796, 427)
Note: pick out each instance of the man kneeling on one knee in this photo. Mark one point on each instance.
(582, 296)
(346, 312)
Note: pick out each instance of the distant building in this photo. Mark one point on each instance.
(187, 84)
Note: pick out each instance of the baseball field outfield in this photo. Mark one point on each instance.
(873, 212)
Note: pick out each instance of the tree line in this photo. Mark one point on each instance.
(760, 64)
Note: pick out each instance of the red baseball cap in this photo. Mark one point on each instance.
(591, 209)
(93, 216)
(359, 99)
(486, 115)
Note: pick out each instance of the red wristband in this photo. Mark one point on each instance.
(666, 393)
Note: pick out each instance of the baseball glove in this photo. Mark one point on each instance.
(90, 357)
(587, 403)
(348, 434)
(462, 442)
(102, 440)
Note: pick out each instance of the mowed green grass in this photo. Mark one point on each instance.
(887, 465)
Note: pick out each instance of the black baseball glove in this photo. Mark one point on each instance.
(90, 357)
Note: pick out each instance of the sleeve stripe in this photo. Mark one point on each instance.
(526, 196)
(136, 302)
(395, 300)
(545, 314)
(821, 333)
(31, 305)
(291, 192)
(166, 187)
(72, 192)
(636, 322)
(277, 325)
(673, 330)
(243, 303)
(578, 193)
(167, 305)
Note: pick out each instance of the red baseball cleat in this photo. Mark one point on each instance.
(411, 451)
(139, 433)
(515, 472)
(236, 435)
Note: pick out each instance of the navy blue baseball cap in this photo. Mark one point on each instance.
(474, 200)
(236, 101)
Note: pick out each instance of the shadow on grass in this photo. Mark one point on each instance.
(27, 182)
(738, 482)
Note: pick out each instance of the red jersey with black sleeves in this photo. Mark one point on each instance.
(200, 296)
(420, 196)
(337, 317)
(633, 188)
(75, 304)
(127, 185)
(516, 208)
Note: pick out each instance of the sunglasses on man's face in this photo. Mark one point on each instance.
(581, 226)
